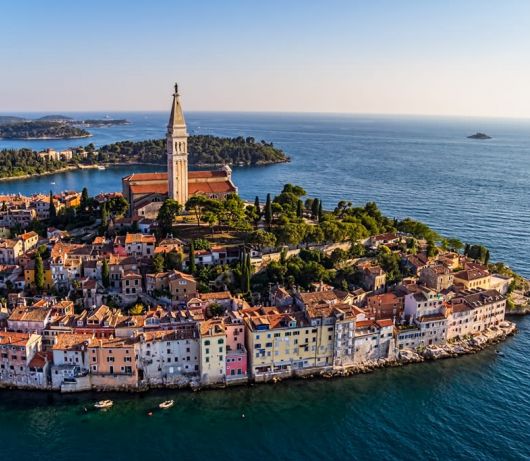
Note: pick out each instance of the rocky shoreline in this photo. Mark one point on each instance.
(454, 349)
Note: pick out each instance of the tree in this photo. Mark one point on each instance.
(52, 209)
(104, 218)
(158, 263)
(487, 257)
(84, 199)
(105, 274)
(299, 209)
(261, 239)
(320, 211)
(192, 266)
(39, 272)
(198, 204)
(315, 204)
(166, 216)
(118, 206)
(268, 211)
(257, 207)
(454, 244)
(137, 309)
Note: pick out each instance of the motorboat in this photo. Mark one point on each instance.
(102, 404)
(167, 404)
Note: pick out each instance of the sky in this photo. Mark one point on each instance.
(462, 57)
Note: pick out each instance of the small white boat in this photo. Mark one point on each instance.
(53, 183)
(104, 404)
(101, 167)
(166, 404)
(500, 353)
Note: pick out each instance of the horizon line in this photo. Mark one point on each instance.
(271, 112)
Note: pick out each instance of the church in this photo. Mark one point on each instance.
(147, 191)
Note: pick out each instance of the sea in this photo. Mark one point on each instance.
(471, 408)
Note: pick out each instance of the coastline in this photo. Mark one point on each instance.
(47, 138)
(111, 164)
(454, 349)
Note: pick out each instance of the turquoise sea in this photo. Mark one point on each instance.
(474, 407)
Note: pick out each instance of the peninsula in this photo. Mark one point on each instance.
(178, 282)
(51, 127)
(204, 151)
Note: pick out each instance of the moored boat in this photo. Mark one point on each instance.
(104, 404)
(166, 404)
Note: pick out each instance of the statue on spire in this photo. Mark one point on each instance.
(176, 88)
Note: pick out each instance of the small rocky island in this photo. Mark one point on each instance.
(479, 135)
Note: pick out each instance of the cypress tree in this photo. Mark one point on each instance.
(268, 211)
(243, 265)
(52, 209)
(39, 272)
(257, 206)
(319, 211)
(84, 199)
(299, 209)
(466, 249)
(192, 266)
(105, 274)
(104, 218)
(487, 257)
(247, 274)
(314, 208)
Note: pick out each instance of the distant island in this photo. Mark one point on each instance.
(51, 127)
(479, 135)
(203, 150)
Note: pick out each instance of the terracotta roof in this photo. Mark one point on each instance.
(71, 341)
(215, 295)
(14, 339)
(385, 323)
(39, 360)
(139, 238)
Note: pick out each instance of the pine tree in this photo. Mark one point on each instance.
(39, 272)
(314, 208)
(192, 266)
(257, 207)
(105, 274)
(52, 209)
(268, 211)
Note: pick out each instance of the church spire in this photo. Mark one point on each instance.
(176, 119)
(177, 152)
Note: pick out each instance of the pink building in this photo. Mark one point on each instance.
(236, 353)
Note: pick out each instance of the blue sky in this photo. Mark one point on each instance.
(405, 57)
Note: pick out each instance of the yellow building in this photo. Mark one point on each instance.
(29, 275)
(280, 344)
(212, 354)
(473, 278)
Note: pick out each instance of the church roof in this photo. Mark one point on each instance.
(217, 187)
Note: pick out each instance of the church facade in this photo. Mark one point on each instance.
(146, 192)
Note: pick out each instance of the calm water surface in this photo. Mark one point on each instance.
(474, 407)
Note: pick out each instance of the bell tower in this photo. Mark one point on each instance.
(177, 152)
